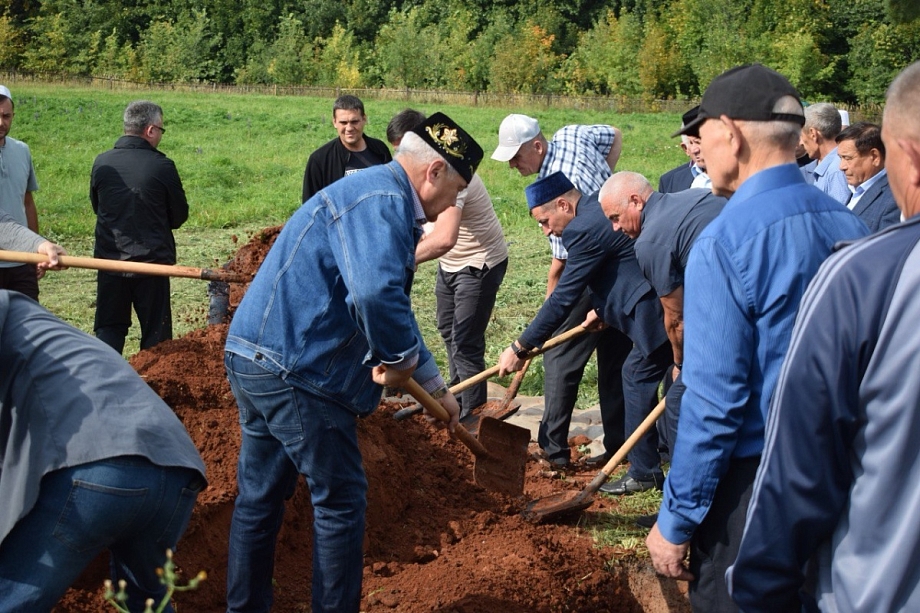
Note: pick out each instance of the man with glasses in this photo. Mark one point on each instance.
(17, 182)
(138, 199)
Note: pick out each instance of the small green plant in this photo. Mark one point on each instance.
(168, 577)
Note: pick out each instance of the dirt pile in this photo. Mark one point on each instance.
(435, 541)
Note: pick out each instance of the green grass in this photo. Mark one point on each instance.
(241, 158)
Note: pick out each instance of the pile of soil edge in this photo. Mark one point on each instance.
(435, 541)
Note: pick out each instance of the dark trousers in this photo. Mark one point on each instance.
(22, 279)
(115, 295)
(667, 425)
(714, 545)
(563, 369)
(464, 303)
(641, 377)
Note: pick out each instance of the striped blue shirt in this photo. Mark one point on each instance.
(580, 152)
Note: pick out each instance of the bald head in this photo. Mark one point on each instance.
(622, 198)
(901, 135)
(902, 103)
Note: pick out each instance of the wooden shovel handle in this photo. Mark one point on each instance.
(434, 407)
(627, 446)
(491, 372)
(143, 268)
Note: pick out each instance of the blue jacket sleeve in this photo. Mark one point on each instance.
(375, 253)
(585, 257)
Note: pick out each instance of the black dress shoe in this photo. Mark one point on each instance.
(629, 485)
(598, 460)
(647, 521)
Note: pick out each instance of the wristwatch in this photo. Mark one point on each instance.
(519, 352)
(439, 393)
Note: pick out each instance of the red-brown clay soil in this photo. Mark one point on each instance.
(435, 541)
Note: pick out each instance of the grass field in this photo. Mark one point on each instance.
(241, 158)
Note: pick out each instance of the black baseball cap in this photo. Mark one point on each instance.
(453, 143)
(746, 92)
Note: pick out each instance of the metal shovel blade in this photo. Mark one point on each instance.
(557, 506)
(502, 470)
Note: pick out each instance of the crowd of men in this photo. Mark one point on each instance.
(745, 283)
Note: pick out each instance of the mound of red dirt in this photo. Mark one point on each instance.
(435, 541)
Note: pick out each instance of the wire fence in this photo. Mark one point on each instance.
(613, 104)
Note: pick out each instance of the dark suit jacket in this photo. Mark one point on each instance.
(676, 180)
(604, 261)
(877, 207)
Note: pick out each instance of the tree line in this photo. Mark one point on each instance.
(841, 50)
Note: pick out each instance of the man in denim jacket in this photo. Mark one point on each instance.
(326, 322)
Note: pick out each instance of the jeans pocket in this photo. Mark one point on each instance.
(97, 514)
(179, 519)
(268, 404)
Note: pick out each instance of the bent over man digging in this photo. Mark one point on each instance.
(326, 322)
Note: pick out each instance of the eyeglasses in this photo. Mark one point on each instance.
(160, 128)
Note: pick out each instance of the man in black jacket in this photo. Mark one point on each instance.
(350, 152)
(138, 199)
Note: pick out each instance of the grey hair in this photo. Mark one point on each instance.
(412, 146)
(780, 134)
(625, 181)
(140, 114)
(902, 101)
(824, 117)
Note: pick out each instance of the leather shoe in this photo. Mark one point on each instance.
(598, 460)
(629, 485)
(647, 521)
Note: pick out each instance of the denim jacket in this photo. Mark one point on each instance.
(331, 300)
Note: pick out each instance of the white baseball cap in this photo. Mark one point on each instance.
(514, 132)
(844, 117)
(4, 91)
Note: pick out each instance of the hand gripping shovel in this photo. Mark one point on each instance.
(500, 450)
(143, 268)
(490, 372)
(567, 503)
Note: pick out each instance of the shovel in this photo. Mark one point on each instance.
(567, 503)
(500, 450)
(490, 372)
(505, 409)
(143, 268)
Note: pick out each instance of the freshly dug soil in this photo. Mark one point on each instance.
(435, 541)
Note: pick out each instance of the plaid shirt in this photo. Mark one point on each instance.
(580, 152)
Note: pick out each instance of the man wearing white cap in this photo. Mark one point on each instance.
(586, 155)
(17, 182)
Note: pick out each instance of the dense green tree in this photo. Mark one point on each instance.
(524, 62)
(339, 59)
(178, 52)
(11, 49)
(879, 52)
(605, 60)
(842, 50)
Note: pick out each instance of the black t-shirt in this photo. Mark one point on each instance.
(359, 160)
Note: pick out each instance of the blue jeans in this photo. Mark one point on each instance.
(127, 504)
(287, 431)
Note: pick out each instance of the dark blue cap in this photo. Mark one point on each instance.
(548, 188)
